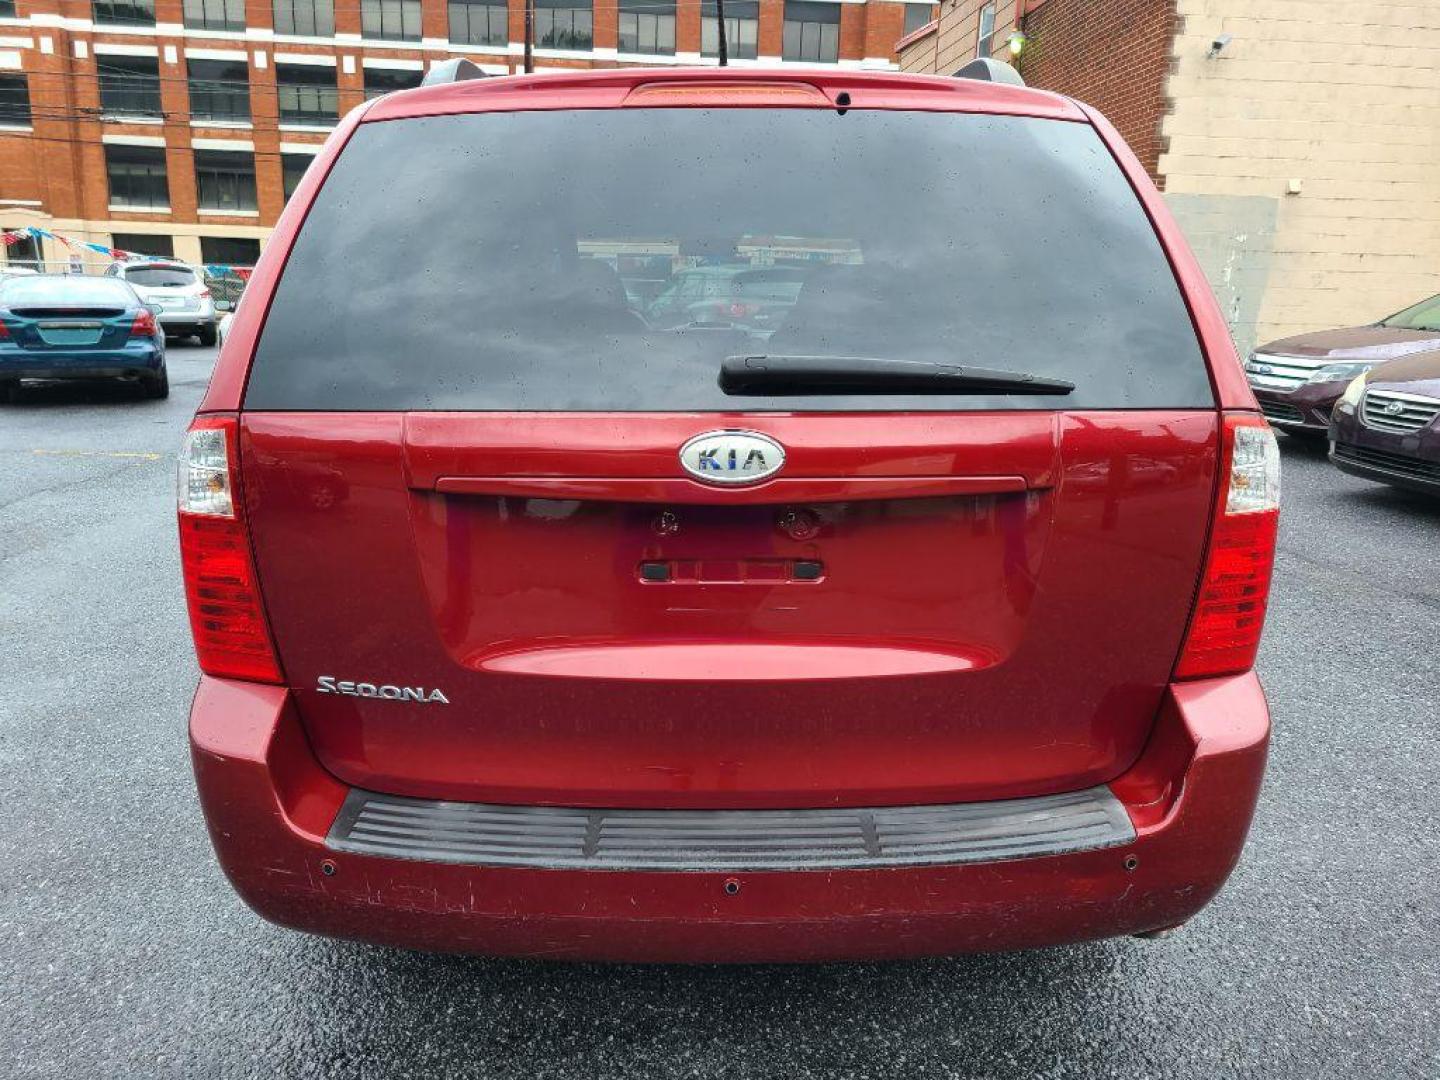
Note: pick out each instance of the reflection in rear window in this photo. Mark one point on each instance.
(611, 260)
(150, 277)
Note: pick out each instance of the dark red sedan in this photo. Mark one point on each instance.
(1297, 380)
(921, 619)
(1386, 426)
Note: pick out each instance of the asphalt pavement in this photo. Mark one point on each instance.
(124, 953)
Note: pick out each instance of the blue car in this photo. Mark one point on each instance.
(77, 327)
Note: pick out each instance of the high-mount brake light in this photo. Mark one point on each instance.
(1229, 614)
(144, 324)
(227, 618)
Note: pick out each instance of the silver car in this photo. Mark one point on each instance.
(177, 291)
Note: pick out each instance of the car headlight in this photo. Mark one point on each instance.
(1339, 372)
(1353, 393)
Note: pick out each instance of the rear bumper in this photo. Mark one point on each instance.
(270, 808)
(135, 360)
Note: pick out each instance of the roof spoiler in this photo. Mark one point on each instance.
(457, 69)
(986, 69)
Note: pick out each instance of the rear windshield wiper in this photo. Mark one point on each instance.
(799, 375)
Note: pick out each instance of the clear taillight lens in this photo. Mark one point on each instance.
(227, 617)
(203, 483)
(1229, 616)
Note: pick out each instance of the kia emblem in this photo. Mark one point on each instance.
(732, 457)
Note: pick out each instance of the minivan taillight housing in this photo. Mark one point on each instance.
(227, 618)
(1229, 614)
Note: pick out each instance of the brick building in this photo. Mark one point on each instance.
(1295, 140)
(179, 127)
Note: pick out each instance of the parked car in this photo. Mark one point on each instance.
(1297, 380)
(178, 293)
(1386, 426)
(618, 641)
(76, 327)
(7, 271)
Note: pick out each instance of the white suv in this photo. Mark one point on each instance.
(177, 291)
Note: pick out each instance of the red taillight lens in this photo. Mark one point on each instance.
(1229, 615)
(227, 618)
(204, 294)
(144, 324)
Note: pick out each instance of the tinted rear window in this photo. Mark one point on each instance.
(150, 277)
(71, 289)
(598, 260)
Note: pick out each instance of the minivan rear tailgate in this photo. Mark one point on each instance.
(934, 607)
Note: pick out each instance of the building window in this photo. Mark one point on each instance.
(215, 14)
(225, 180)
(812, 32)
(143, 244)
(647, 26)
(229, 251)
(292, 168)
(916, 16)
(561, 25)
(392, 20)
(14, 100)
(124, 12)
(742, 29)
(129, 85)
(479, 24)
(305, 18)
(219, 90)
(985, 38)
(137, 177)
(24, 252)
(307, 94)
(7, 9)
(385, 80)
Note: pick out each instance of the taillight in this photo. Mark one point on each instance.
(204, 294)
(1229, 612)
(144, 324)
(4, 330)
(227, 618)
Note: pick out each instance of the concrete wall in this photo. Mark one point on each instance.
(1340, 100)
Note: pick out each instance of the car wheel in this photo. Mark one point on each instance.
(207, 336)
(158, 387)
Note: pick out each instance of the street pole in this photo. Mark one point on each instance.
(529, 36)
(720, 19)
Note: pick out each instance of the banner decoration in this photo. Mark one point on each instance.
(32, 232)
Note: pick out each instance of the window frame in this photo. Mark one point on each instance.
(826, 32)
(119, 85)
(326, 112)
(320, 21)
(549, 14)
(206, 90)
(15, 95)
(227, 15)
(415, 77)
(453, 10)
(140, 173)
(985, 39)
(651, 31)
(107, 12)
(390, 20)
(225, 172)
(742, 30)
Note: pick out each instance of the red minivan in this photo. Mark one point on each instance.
(919, 619)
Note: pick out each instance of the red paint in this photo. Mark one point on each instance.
(1019, 587)
(1191, 796)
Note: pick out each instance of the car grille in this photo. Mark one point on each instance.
(1284, 373)
(1281, 413)
(1388, 410)
(549, 837)
(1400, 464)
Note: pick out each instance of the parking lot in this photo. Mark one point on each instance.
(127, 954)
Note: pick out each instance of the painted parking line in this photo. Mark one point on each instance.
(136, 454)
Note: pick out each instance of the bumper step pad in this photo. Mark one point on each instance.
(709, 841)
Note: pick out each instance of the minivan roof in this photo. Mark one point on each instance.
(715, 87)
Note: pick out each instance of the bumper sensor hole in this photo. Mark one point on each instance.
(732, 886)
(1131, 862)
(328, 867)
